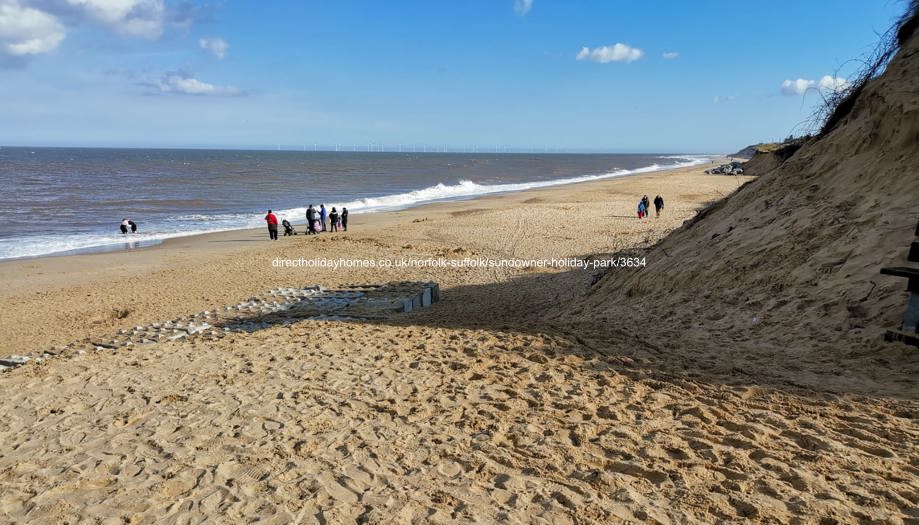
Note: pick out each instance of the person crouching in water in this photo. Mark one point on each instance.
(658, 205)
(272, 226)
(133, 226)
(333, 220)
(124, 226)
(344, 219)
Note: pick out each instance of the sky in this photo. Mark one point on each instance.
(543, 75)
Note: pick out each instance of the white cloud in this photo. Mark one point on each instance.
(826, 84)
(217, 46)
(522, 7)
(183, 83)
(670, 55)
(797, 87)
(832, 84)
(25, 31)
(141, 18)
(719, 99)
(34, 27)
(613, 53)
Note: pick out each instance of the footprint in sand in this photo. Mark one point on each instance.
(336, 490)
(72, 438)
(258, 471)
(213, 501)
(450, 469)
(272, 425)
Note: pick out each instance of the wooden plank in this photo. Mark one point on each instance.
(903, 337)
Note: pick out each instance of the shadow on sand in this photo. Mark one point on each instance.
(630, 336)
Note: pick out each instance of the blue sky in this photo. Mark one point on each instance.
(520, 74)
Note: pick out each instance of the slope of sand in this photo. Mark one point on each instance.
(788, 268)
(474, 410)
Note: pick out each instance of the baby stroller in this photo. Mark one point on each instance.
(288, 228)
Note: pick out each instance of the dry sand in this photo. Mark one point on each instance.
(486, 407)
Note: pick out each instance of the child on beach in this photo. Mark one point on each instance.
(333, 219)
(642, 210)
(314, 220)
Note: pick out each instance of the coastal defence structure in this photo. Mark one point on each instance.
(279, 306)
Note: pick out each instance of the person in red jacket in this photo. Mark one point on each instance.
(272, 226)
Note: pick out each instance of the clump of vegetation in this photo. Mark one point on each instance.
(838, 104)
(784, 149)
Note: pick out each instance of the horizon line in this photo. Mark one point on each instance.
(388, 149)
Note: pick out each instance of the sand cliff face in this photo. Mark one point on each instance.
(782, 279)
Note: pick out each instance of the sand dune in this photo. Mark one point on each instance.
(781, 281)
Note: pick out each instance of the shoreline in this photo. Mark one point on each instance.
(56, 299)
(147, 243)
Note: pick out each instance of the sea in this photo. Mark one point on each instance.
(70, 200)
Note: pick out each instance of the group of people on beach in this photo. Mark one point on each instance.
(317, 220)
(644, 206)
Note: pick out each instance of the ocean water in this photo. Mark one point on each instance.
(56, 200)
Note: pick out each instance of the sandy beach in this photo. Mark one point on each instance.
(492, 405)
(95, 293)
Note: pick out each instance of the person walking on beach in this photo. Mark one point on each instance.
(658, 205)
(642, 209)
(323, 216)
(124, 226)
(333, 220)
(310, 220)
(272, 226)
(344, 219)
(647, 202)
